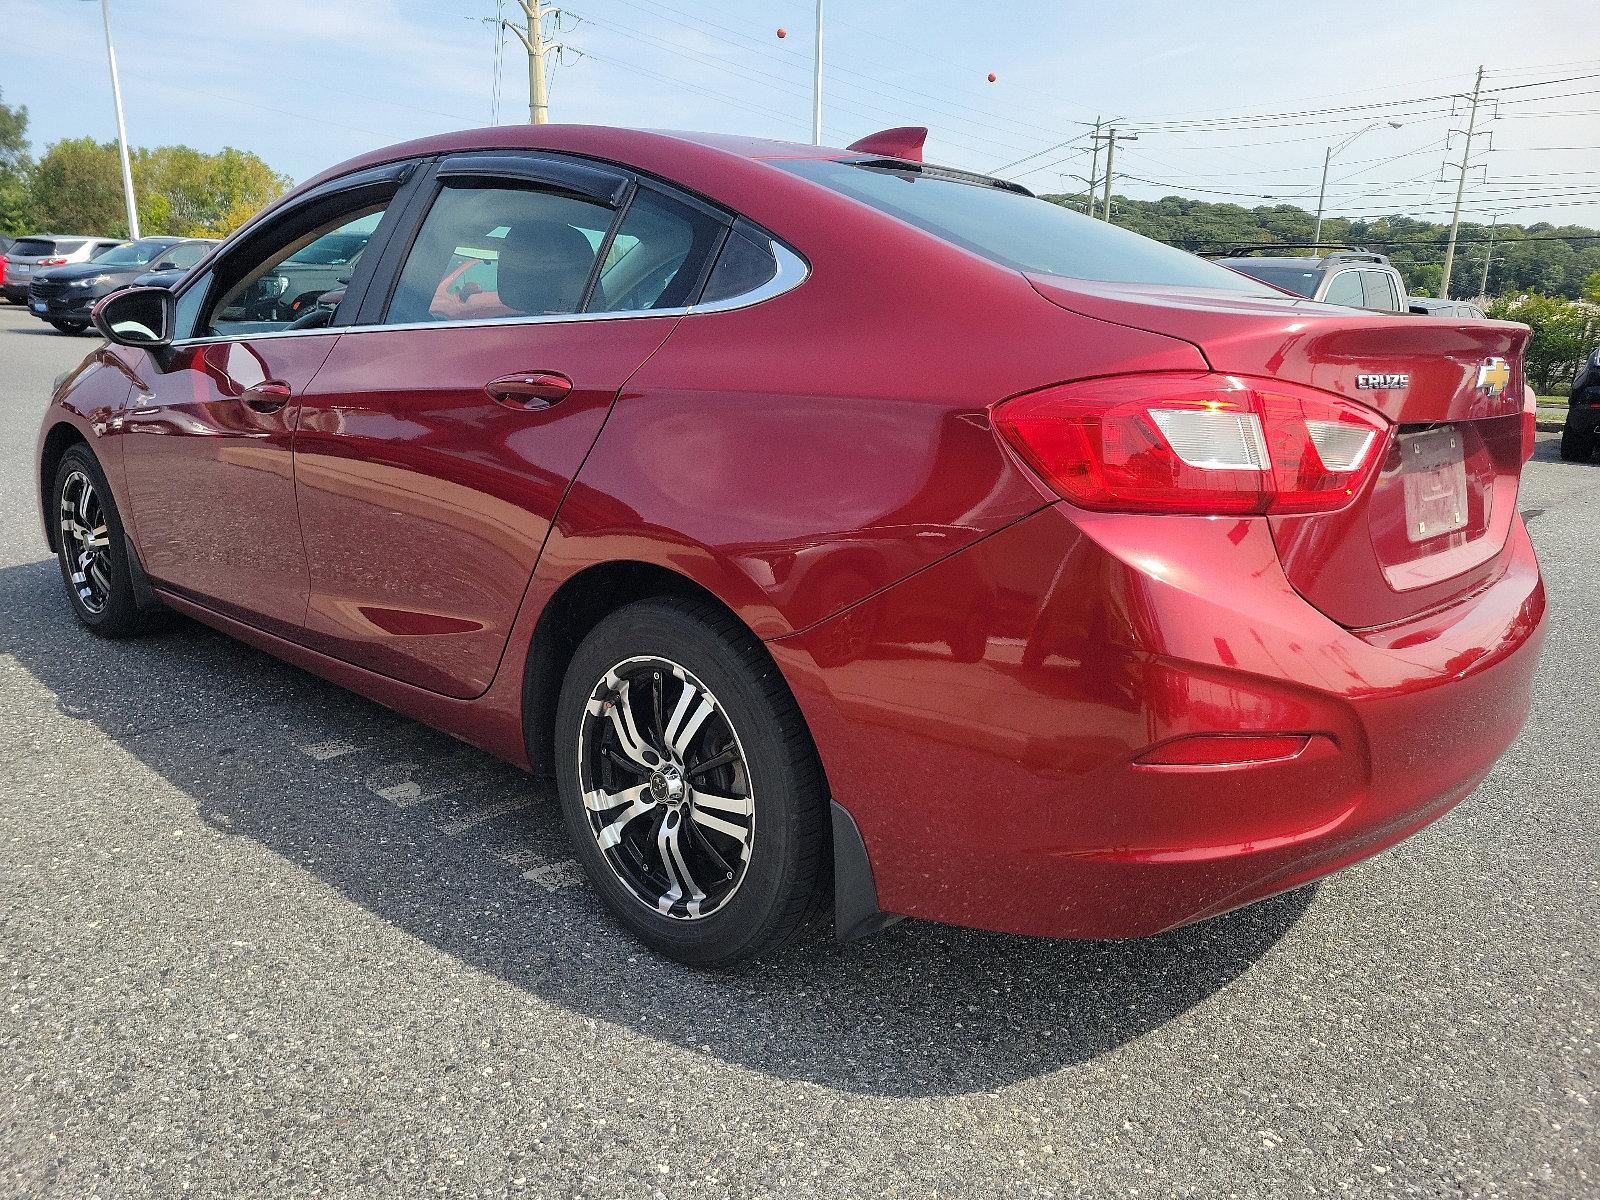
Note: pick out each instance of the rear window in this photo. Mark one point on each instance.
(1288, 276)
(32, 248)
(1014, 229)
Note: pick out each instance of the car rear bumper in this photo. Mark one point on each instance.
(980, 722)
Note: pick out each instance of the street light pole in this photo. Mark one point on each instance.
(1488, 257)
(1322, 193)
(1327, 158)
(816, 86)
(122, 130)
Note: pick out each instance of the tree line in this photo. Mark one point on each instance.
(1552, 260)
(75, 186)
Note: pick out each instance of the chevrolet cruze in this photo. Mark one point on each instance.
(849, 537)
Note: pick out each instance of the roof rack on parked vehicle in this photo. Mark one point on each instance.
(1334, 249)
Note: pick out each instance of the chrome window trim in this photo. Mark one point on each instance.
(792, 272)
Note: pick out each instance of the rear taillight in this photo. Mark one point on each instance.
(1530, 422)
(4, 263)
(51, 262)
(1195, 443)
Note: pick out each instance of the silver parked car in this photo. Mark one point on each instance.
(28, 254)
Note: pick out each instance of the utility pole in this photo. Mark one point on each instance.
(1111, 150)
(1488, 255)
(122, 131)
(1461, 189)
(1094, 165)
(531, 35)
(816, 85)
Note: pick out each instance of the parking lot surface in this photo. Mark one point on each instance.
(263, 938)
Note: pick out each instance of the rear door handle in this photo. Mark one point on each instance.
(529, 389)
(268, 396)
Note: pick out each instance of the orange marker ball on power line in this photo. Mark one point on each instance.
(783, 33)
(991, 76)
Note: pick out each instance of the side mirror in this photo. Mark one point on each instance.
(141, 317)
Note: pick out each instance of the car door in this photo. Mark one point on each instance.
(208, 427)
(440, 436)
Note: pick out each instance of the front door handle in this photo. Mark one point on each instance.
(267, 397)
(529, 389)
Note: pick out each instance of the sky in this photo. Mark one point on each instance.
(1233, 100)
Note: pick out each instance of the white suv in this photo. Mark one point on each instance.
(27, 254)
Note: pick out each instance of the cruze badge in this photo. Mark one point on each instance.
(1383, 383)
(1494, 376)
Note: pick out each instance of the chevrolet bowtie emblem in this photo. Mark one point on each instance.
(1494, 376)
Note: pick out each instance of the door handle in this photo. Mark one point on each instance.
(529, 389)
(267, 397)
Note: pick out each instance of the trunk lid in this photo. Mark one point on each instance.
(1432, 523)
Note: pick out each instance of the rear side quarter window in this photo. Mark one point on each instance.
(746, 263)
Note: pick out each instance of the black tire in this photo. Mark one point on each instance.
(72, 328)
(784, 880)
(1576, 446)
(105, 601)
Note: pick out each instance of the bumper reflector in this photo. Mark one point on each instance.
(1225, 750)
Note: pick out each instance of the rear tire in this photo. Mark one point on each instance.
(1576, 446)
(72, 328)
(92, 550)
(689, 784)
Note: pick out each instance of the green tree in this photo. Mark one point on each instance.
(1562, 334)
(14, 168)
(186, 192)
(1591, 288)
(77, 186)
(1553, 260)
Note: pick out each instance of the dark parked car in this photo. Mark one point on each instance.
(27, 255)
(841, 531)
(174, 261)
(64, 296)
(1351, 278)
(1582, 428)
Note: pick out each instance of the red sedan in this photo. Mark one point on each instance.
(846, 535)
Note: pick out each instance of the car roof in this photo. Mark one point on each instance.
(634, 147)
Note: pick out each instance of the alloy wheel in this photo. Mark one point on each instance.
(666, 787)
(86, 541)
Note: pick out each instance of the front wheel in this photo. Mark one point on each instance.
(70, 327)
(690, 786)
(93, 551)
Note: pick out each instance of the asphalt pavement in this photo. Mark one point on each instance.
(263, 938)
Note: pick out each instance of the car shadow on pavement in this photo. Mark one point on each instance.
(468, 855)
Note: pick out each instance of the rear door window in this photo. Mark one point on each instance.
(32, 248)
(1379, 290)
(1346, 289)
(500, 251)
(657, 258)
